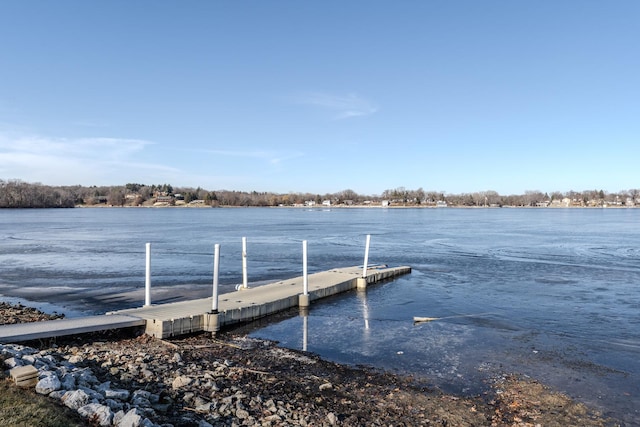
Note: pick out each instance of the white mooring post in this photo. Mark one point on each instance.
(147, 282)
(216, 272)
(305, 276)
(366, 256)
(362, 282)
(303, 299)
(212, 318)
(245, 280)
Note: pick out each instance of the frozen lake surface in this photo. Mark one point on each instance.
(551, 293)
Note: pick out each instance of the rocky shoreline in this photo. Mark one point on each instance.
(134, 380)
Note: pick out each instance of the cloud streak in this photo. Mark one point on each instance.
(269, 156)
(96, 148)
(64, 161)
(343, 106)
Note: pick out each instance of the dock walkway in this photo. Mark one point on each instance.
(184, 317)
(61, 327)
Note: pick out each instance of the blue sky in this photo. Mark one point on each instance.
(322, 96)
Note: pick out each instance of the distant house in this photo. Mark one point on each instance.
(385, 203)
(441, 204)
(164, 199)
(310, 203)
(100, 199)
(326, 203)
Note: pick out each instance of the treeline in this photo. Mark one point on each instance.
(19, 194)
(529, 198)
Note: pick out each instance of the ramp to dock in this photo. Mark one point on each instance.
(64, 327)
(184, 317)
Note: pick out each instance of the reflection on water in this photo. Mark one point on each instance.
(366, 329)
(362, 296)
(305, 330)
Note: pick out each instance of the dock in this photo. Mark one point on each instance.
(185, 317)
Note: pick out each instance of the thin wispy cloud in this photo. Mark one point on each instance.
(343, 106)
(60, 161)
(83, 147)
(285, 158)
(271, 157)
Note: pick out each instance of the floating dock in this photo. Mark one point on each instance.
(185, 317)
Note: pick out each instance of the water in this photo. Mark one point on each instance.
(551, 293)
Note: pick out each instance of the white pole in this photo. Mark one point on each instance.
(366, 256)
(245, 283)
(305, 277)
(216, 271)
(147, 283)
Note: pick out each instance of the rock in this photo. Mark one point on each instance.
(87, 379)
(93, 394)
(181, 381)
(223, 409)
(57, 395)
(48, 384)
(163, 408)
(75, 399)
(242, 414)
(188, 397)
(203, 423)
(204, 408)
(199, 401)
(141, 398)
(115, 405)
(12, 362)
(68, 382)
(130, 419)
(326, 386)
(271, 406)
(49, 360)
(96, 413)
(153, 398)
(29, 359)
(147, 423)
(331, 418)
(75, 359)
(119, 394)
